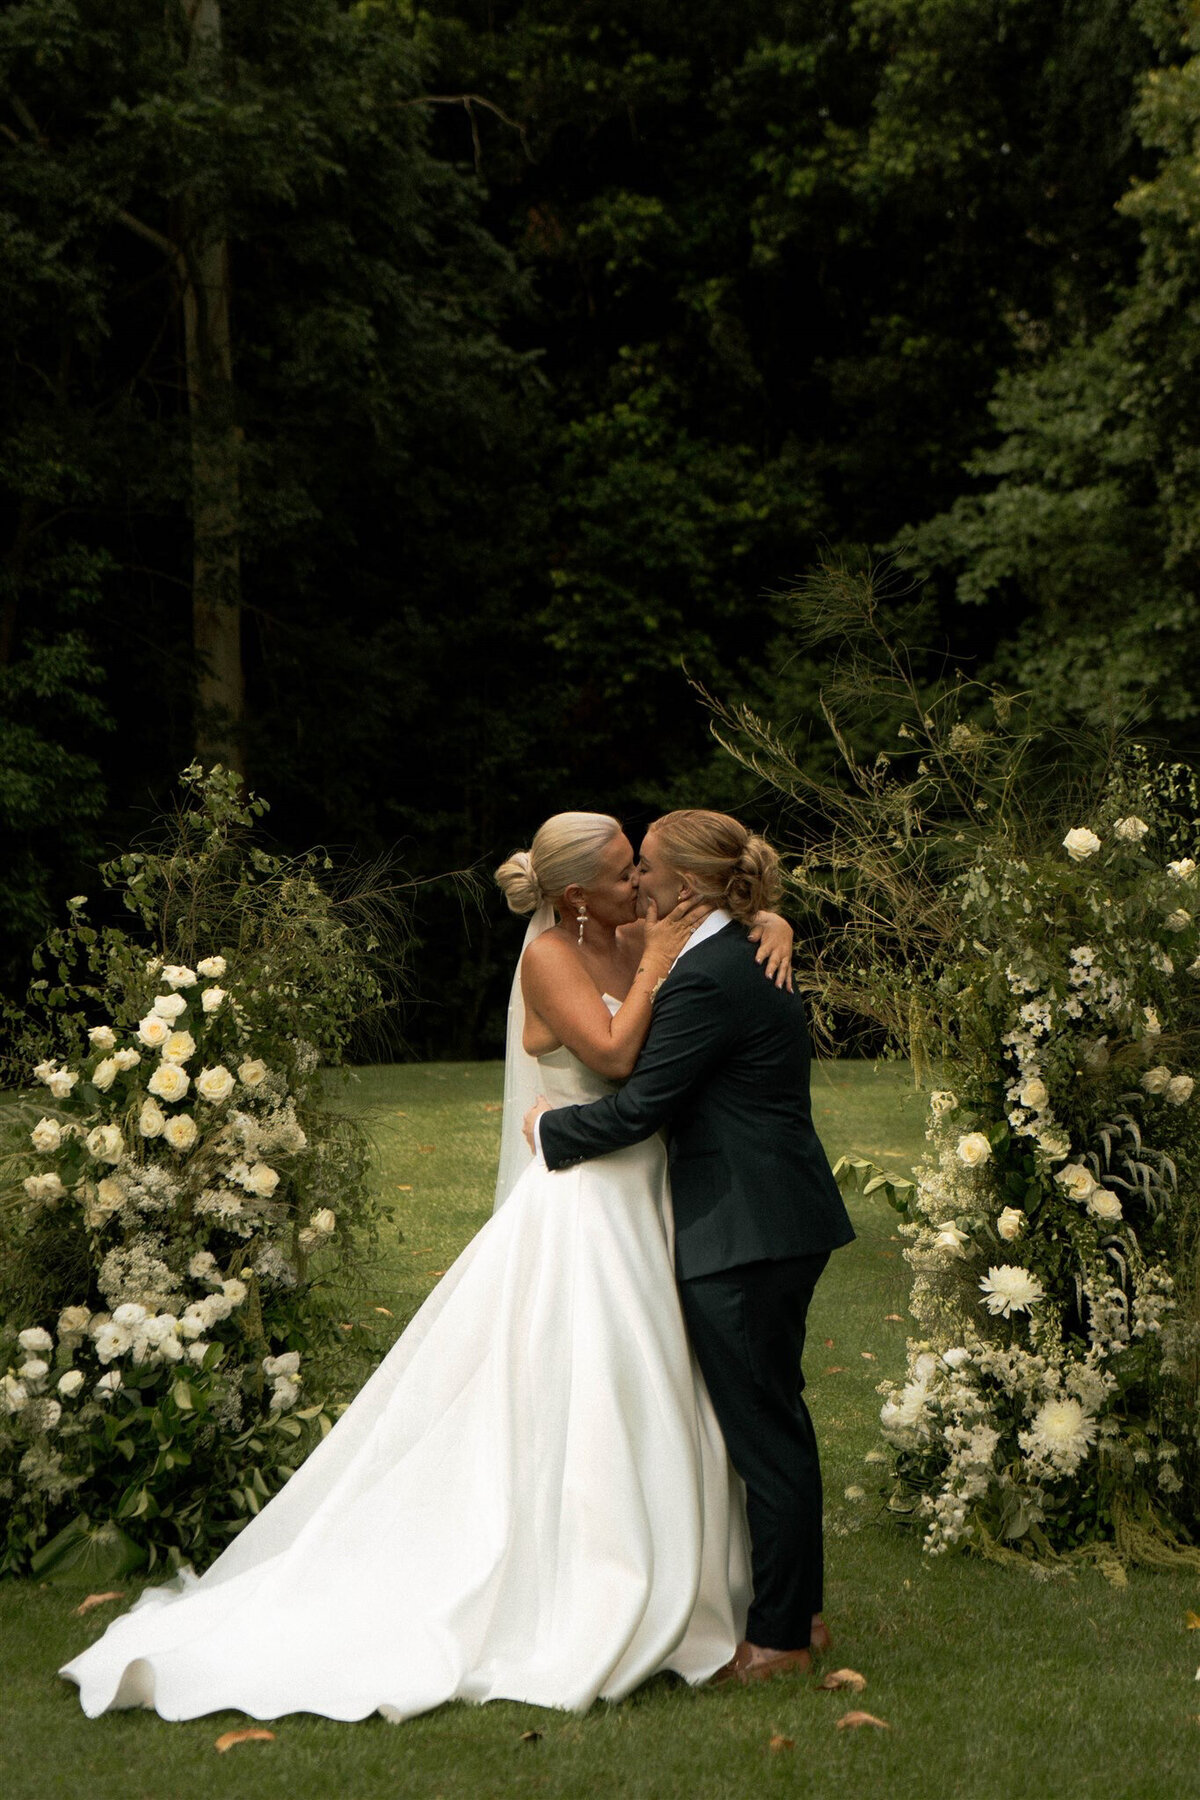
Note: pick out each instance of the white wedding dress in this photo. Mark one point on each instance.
(529, 1499)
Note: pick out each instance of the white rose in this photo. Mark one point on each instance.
(102, 1037)
(1179, 920)
(158, 1329)
(973, 1149)
(72, 1323)
(105, 1073)
(33, 1369)
(1157, 1081)
(1179, 1089)
(153, 1031)
(133, 1313)
(177, 976)
(1152, 1025)
(235, 1291)
(284, 1393)
(214, 1308)
(192, 1323)
(1131, 830)
(107, 1385)
(178, 1047)
(1104, 1204)
(1080, 843)
(61, 1083)
(1078, 1182)
(307, 1240)
(44, 1187)
(1010, 1222)
(197, 1351)
(212, 967)
(110, 1193)
(261, 1180)
(942, 1102)
(127, 1059)
(214, 1085)
(203, 1266)
(13, 1394)
(169, 1007)
(1034, 1094)
(955, 1357)
(70, 1383)
(324, 1221)
(171, 1350)
(105, 1143)
(253, 1072)
(35, 1338)
(211, 998)
(181, 1132)
(287, 1364)
(46, 1135)
(1183, 870)
(169, 1082)
(152, 1119)
(952, 1239)
(112, 1340)
(44, 1070)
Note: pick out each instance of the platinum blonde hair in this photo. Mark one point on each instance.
(568, 848)
(725, 864)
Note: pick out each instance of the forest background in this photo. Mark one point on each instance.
(403, 403)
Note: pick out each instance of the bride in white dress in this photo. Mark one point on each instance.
(530, 1498)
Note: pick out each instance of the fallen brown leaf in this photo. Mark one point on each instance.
(781, 1743)
(894, 1318)
(434, 1274)
(844, 1678)
(852, 1720)
(1192, 1621)
(829, 1343)
(346, 1325)
(835, 1370)
(403, 1187)
(493, 1106)
(531, 1737)
(386, 1309)
(85, 1606)
(427, 1252)
(426, 1149)
(228, 1739)
(868, 1356)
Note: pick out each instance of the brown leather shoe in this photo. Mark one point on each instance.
(751, 1662)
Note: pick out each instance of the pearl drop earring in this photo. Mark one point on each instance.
(581, 915)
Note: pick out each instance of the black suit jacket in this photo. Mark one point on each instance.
(725, 1068)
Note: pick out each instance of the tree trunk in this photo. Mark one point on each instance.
(216, 505)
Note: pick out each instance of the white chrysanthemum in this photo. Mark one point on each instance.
(1061, 1434)
(112, 1340)
(153, 1031)
(973, 1149)
(35, 1338)
(215, 1085)
(1179, 1089)
(102, 1037)
(105, 1143)
(61, 1082)
(46, 1135)
(234, 1290)
(1080, 843)
(152, 1119)
(1076, 1180)
(69, 1384)
(181, 1132)
(1157, 1080)
(1131, 830)
(211, 998)
(956, 1356)
(169, 1082)
(1009, 1289)
(178, 1047)
(212, 967)
(1104, 1204)
(1010, 1222)
(177, 976)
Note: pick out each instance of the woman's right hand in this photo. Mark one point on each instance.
(666, 937)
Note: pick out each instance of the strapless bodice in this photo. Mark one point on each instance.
(566, 1081)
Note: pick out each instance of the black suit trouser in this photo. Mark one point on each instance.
(747, 1327)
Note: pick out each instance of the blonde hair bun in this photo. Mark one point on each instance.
(518, 879)
(568, 848)
(724, 863)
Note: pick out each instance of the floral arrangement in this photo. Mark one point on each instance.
(172, 1200)
(1040, 1409)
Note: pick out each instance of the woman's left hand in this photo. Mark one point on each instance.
(775, 938)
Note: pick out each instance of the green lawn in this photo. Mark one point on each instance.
(996, 1686)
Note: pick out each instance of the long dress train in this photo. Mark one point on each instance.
(529, 1499)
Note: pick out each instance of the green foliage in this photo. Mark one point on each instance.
(171, 1223)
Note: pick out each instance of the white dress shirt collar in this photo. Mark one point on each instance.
(716, 921)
